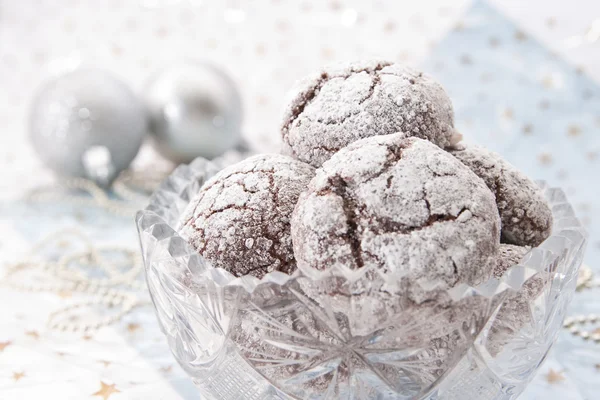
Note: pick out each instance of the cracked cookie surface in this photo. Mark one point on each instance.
(402, 206)
(345, 103)
(240, 219)
(509, 255)
(526, 216)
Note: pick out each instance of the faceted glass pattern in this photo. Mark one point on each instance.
(345, 336)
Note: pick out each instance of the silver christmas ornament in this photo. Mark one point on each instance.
(87, 124)
(195, 110)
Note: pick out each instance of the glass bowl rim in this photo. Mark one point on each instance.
(567, 234)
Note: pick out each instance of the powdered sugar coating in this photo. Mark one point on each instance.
(510, 255)
(240, 219)
(402, 206)
(345, 103)
(526, 216)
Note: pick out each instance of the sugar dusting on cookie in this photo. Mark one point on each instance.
(239, 221)
(348, 102)
(526, 216)
(402, 205)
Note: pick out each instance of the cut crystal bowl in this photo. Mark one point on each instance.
(345, 336)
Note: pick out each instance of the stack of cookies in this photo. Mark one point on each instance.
(377, 210)
(373, 177)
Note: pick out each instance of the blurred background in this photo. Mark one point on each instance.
(523, 79)
(263, 45)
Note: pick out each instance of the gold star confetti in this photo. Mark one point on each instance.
(459, 26)
(133, 327)
(465, 59)
(326, 52)
(167, 369)
(87, 338)
(261, 49)
(17, 376)
(282, 26)
(106, 390)
(520, 36)
(508, 113)
(262, 100)
(162, 32)
(545, 158)
(404, 56)
(574, 131)
(494, 42)
(4, 345)
(106, 363)
(389, 27)
(548, 82)
(335, 5)
(527, 129)
(33, 334)
(554, 376)
(79, 216)
(117, 51)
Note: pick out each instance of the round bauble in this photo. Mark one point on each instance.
(195, 110)
(87, 123)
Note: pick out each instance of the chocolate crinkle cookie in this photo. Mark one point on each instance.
(402, 206)
(345, 103)
(240, 219)
(510, 255)
(526, 216)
